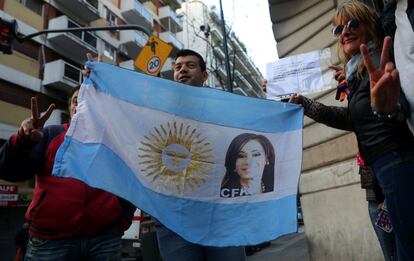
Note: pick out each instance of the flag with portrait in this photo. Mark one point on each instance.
(218, 169)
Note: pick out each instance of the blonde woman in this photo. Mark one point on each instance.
(384, 140)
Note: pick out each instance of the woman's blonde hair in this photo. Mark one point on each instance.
(359, 11)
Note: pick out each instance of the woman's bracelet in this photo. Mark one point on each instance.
(389, 116)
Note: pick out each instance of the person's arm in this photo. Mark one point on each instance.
(18, 156)
(89, 56)
(384, 81)
(332, 116)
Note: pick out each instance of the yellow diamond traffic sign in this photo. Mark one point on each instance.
(153, 56)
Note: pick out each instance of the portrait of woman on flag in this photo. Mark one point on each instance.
(250, 163)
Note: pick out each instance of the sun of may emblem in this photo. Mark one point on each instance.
(175, 157)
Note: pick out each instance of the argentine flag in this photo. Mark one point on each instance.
(218, 169)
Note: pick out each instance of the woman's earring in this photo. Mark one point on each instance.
(267, 162)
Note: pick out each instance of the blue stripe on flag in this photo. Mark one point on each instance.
(202, 104)
(196, 221)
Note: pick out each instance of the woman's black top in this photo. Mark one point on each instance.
(376, 137)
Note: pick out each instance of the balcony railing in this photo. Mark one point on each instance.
(128, 64)
(132, 42)
(87, 37)
(20, 78)
(22, 13)
(135, 12)
(218, 40)
(239, 91)
(169, 19)
(86, 10)
(171, 38)
(219, 52)
(222, 72)
(73, 45)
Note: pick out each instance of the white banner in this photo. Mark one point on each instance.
(301, 73)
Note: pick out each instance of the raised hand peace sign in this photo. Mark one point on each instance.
(32, 128)
(384, 81)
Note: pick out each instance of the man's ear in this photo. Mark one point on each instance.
(205, 76)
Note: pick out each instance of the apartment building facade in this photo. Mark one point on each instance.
(49, 66)
(202, 31)
(334, 209)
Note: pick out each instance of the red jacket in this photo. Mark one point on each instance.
(61, 207)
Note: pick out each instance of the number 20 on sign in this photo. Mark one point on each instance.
(153, 56)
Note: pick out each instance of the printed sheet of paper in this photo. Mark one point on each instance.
(301, 73)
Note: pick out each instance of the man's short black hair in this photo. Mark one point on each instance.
(188, 52)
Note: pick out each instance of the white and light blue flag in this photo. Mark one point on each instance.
(218, 169)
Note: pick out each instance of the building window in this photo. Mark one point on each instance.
(34, 5)
(110, 17)
(109, 51)
(112, 21)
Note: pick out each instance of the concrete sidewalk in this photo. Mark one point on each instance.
(291, 247)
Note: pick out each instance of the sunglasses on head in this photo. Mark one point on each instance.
(352, 25)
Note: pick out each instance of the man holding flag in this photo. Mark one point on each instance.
(190, 68)
(162, 146)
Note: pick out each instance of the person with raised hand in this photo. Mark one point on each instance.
(68, 220)
(394, 174)
(85, 71)
(384, 80)
(378, 121)
(397, 21)
(31, 129)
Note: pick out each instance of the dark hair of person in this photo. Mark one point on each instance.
(232, 179)
(188, 52)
